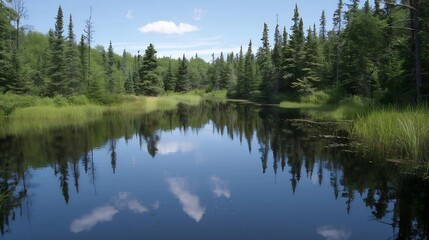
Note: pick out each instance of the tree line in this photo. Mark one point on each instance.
(377, 51)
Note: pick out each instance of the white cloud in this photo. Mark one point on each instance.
(168, 27)
(174, 147)
(122, 200)
(219, 187)
(198, 14)
(98, 215)
(129, 15)
(331, 233)
(190, 202)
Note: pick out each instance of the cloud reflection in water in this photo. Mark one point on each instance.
(219, 187)
(122, 200)
(190, 202)
(331, 233)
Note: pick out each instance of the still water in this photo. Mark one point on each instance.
(213, 171)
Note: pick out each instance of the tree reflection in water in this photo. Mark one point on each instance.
(286, 147)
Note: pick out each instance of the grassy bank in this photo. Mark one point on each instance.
(20, 114)
(397, 134)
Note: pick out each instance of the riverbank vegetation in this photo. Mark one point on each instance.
(375, 55)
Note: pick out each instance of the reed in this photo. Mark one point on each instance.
(393, 133)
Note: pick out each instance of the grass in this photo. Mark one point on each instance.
(23, 114)
(393, 133)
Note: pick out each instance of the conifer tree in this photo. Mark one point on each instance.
(183, 84)
(322, 32)
(110, 62)
(71, 61)
(152, 84)
(265, 65)
(170, 78)
(57, 73)
(277, 60)
(83, 66)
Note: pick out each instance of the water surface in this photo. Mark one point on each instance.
(213, 171)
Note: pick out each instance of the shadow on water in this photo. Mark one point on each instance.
(285, 146)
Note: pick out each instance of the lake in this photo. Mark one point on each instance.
(213, 171)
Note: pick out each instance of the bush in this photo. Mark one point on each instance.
(60, 101)
(79, 100)
(318, 97)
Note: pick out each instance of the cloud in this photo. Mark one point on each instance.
(174, 147)
(129, 15)
(122, 200)
(219, 187)
(168, 27)
(190, 202)
(98, 215)
(331, 233)
(198, 14)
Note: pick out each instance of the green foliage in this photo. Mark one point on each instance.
(394, 132)
(183, 84)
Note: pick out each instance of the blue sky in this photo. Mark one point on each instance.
(177, 27)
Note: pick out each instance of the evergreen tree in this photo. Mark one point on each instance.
(126, 74)
(241, 80)
(295, 65)
(312, 66)
(151, 82)
(72, 62)
(170, 78)
(337, 21)
(57, 73)
(83, 66)
(250, 78)
(6, 29)
(265, 65)
(322, 32)
(110, 63)
(277, 60)
(183, 84)
(224, 72)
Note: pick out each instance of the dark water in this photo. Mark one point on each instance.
(214, 171)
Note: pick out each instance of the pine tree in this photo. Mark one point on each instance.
(72, 62)
(224, 72)
(265, 65)
(183, 84)
(322, 32)
(295, 65)
(241, 80)
(152, 84)
(83, 66)
(58, 83)
(337, 20)
(277, 60)
(250, 78)
(170, 78)
(312, 71)
(110, 62)
(126, 74)
(5, 56)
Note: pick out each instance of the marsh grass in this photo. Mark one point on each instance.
(395, 133)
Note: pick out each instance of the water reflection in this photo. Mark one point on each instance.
(332, 233)
(190, 202)
(169, 148)
(287, 148)
(220, 187)
(105, 213)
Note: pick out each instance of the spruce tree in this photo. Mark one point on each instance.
(277, 60)
(183, 83)
(265, 65)
(170, 78)
(152, 84)
(322, 32)
(252, 83)
(57, 73)
(83, 66)
(72, 62)
(110, 63)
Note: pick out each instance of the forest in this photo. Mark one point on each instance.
(378, 52)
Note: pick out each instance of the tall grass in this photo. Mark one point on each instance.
(394, 133)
